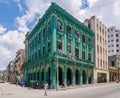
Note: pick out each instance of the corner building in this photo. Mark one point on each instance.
(101, 72)
(59, 49)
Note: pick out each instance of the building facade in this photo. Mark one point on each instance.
(19, 62)
(101, 73)
(15, 68)
(114, 67)
(60, 50)
(113, 41)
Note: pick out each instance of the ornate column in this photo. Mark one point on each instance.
(80, 46)
(45, 72)
(53, 32)
(80, 77)
(65, 75)
(73, 77)
(73, 41)
(53, 76)
(65, 39)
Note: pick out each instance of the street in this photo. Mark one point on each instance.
(99, 91)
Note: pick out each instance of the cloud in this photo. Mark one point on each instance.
(9, 44)
(19, 5)
(34, 8)
(2, 29)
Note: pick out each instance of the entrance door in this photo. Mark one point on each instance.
(77, 77)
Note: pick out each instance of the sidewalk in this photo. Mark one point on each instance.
(87, 85)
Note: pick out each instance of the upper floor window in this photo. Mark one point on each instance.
(97, 49)
(59, 25)
(44, 32)
(83, 38)
(89, 40)
(89, 25)
(83, 55)
(113, 64)
(103, 31)
(49, 46)
(117, 40)
(117, 50)
(69, 48)
(100, 28)
(59, 45)
(76, 34)
(68, 29)
(97, 26)
(117, 45)
(48, 25)
(116, 35)
(89, 56)
(77, 52)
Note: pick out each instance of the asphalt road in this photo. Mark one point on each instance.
(100, 91)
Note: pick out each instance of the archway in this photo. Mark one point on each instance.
(90, 80)
(34, 77)
(60, 75)
(28, 76)
(38, 76)
(69, 76)
(83, 77)
(49, 72)
(42, 76)
(77, 77)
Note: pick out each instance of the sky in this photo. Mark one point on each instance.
(17, 17)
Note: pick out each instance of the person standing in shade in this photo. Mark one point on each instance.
(45, 87)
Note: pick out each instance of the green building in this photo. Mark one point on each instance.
(59, 50)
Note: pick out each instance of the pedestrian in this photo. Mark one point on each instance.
(45, 87)
(116, 80)
(68, 82)
(62, 84)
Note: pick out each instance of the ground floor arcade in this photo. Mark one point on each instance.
(101, 76)
(114, 74)
(68, 74)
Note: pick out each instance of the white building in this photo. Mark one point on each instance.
(113, 41)
(101, 73)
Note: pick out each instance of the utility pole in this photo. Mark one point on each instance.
(57, 73)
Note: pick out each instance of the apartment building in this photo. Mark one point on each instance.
(113, 41)
(101, 73)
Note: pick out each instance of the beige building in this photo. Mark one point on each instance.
(101, 73)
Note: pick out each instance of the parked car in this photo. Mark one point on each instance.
(2, 81)
(34, 84)
(23, 84)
